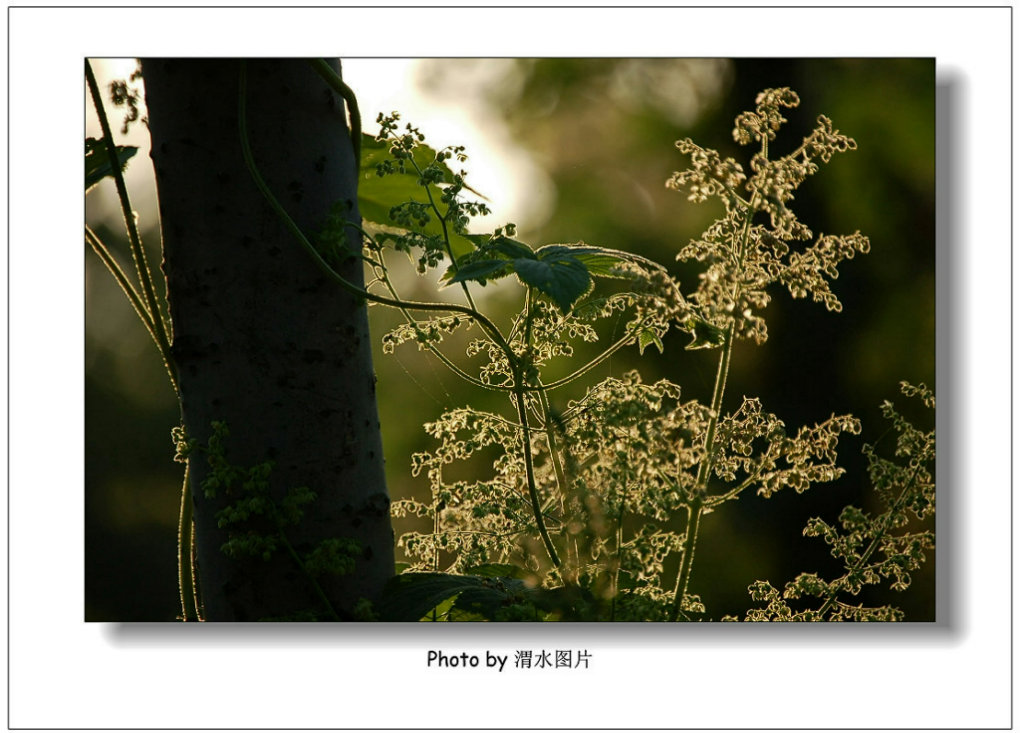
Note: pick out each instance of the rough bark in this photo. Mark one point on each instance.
(261, 339)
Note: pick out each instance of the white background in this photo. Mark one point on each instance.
(65, 673)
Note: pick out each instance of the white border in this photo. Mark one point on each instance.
(65, 673)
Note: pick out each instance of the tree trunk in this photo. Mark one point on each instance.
(262, 341)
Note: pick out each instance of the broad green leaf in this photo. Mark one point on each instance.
(647, 337)
(480, 270)
(378, 194)
(566, 603)
(409, 596)
(561, 271)
(600, 261)
(97, 162)
(602, 265)
(440, 612)
(375, 151)
(591, 257)
(499, 570)
(490, 596)
(558, 274)
(511, 248)
(460, 615)
(477, 240)
(461, 244)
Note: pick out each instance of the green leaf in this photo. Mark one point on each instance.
(511, 248)
(706, 336)
(647, 337)
(488, 269)
(97, 161)
(378, 194)
(440, 612)
(561, 271)
(480, 270)
(566, 603)
(490, 596)
(409, 596)
(558, 274)
(476, 240)
(600, 261)
(499, 570)
(596, 260)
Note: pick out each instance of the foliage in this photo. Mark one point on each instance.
(125, 93)
(97, 162)
(587, 500)
(582, 510)
(906, 490)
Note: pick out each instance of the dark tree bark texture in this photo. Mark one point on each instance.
(262, 340)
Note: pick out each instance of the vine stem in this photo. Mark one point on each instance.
(336, 82)
(185, 560)
(694, 511)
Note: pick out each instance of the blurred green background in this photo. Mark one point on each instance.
(597, 136)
